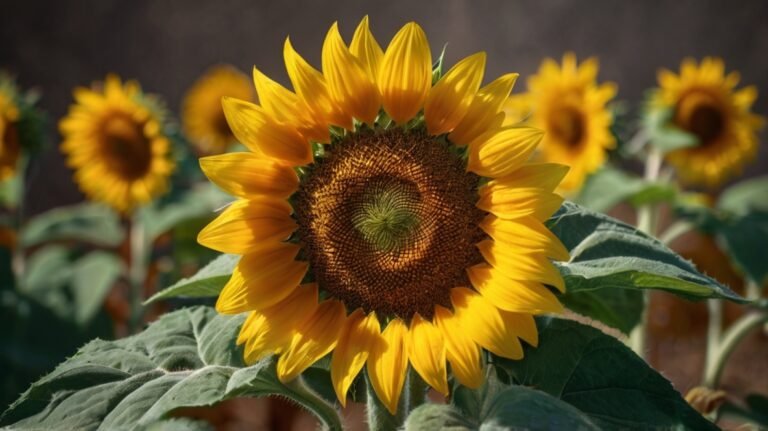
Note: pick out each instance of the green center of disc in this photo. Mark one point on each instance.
(387, 217)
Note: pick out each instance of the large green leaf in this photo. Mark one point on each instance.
(512, 408)
(609, 254)
(87, 222)
(602, 378)
(188, 358)
(608, 187)
(205, 283)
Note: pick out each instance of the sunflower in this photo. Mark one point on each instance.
(704, 102)
(202, 117)
(113, 139)
(384, 218)
(568, 104)
(10, 147)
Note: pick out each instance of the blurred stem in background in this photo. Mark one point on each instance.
(727, 344)
(137, 271)
(647, 222)
(18, 257)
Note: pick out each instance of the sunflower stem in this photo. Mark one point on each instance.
(417, 390)
(731, 339)
(379, 418)
(647, 221)
(136, 272)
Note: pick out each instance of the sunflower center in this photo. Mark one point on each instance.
(567, 124)
(388, 218)
(127, 149)
(389, 222)
(699, 114)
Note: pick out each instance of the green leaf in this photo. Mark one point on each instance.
(515, 407)
(72, 289)
(45, 278)
(744, 239)
(205, 283)
(10, 191)
(437, 68)
(617, 308)
(201, 201)
(187, 358)
(88, 222)
(745, 197)
(92, 279)
(608, 187)
(608, 254)
(739, 223)
(664, 134)
(602, 378)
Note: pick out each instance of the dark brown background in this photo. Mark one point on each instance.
(56, 45)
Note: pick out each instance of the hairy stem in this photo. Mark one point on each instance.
(379, 418)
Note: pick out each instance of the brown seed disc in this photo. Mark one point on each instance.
(126, 149)
(396, 173)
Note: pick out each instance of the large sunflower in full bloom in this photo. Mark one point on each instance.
(113, 138)
(384, 218)
(10, 147)
(570, 106)
(704, 102)
(202, 117)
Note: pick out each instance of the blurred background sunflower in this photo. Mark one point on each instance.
(201, 114)
(572, 108)
(114, 141)
(703, 101)
(9, 138)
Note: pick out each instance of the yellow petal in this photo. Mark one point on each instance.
(463, 353)
(513, 202)
(405, 75)
(388, 363)
(546, 176)
(315, 339)
(524, 326)
(247, 225)
(270, 330)
(285, 106)
(483, 110)
(513, 295)
(426, 351)
(350, 86)
(247, 174)
(365, 48)
(310, 85)
(518, 265)
(526, 233)
(500, 152)
(482, 321)
(449, 99)
(360, 335)
(262, 279)
(255, 129)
